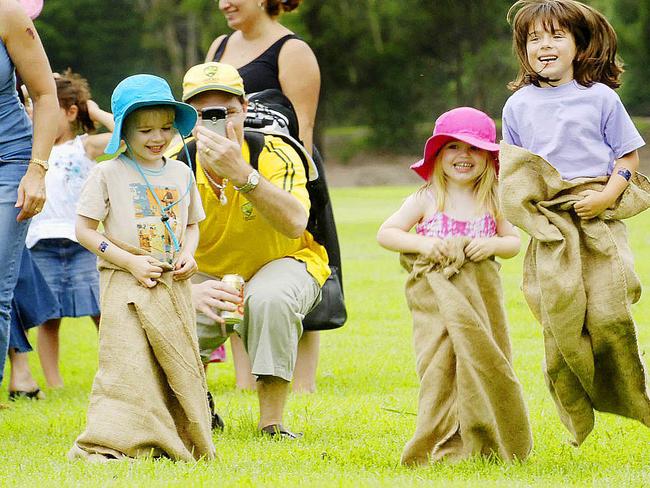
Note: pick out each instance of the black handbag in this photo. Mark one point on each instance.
(330, 312)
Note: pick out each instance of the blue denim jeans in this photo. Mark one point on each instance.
(12, 241)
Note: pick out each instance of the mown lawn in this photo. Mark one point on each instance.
(357, 423)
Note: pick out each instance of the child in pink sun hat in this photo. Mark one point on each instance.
(460, 167)
(470, 399)
(465, 124)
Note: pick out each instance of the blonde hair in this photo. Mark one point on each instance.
(596, 43)
(485, 186)
(150, 114)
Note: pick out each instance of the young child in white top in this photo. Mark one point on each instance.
(69, 269)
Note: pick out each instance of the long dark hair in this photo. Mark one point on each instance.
(596, 43)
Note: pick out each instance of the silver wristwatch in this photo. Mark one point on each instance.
(251, 183)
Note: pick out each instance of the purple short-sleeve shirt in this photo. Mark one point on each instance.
(580, 130)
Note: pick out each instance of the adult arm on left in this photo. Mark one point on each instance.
(596, 202)
(299, 77)
(26, 52)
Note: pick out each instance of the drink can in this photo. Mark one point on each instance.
(237, 282)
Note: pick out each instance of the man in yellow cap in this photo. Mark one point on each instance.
(255, 227)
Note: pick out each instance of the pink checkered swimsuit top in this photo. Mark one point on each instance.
(441, 225)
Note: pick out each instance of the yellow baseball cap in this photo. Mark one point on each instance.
(212, 76)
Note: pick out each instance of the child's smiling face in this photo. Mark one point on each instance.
(551, 51)
(462, 163)
(148, 132)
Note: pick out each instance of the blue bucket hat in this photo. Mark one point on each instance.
(139, 91)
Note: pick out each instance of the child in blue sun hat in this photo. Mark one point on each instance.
(149, 397)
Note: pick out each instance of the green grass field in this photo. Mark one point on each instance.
(357, 423)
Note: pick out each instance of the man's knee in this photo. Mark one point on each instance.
(270, 301)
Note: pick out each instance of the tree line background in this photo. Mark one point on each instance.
(389, 65)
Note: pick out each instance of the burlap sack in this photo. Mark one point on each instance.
(579, 282)
(149, 396)
(470, 399)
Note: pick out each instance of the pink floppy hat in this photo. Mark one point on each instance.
(32, 7)
(465, 124)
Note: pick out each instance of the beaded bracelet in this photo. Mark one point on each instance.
(40, 162)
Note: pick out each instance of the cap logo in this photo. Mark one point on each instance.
(210, 71)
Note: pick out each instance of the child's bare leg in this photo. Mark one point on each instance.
(20, 378)
(304, 376)
(48, 352)
(245, 380)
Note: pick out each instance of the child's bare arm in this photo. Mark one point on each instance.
(185, 265)
(505, 244)
(394, 232)
(508, 240)
(144, 268)
(191, 240)
(99, 116)
(596, 202)
(94, 144)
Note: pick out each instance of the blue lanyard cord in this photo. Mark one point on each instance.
(187, 154)
(163, 208)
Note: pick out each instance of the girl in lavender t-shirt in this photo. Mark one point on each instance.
(564, 108)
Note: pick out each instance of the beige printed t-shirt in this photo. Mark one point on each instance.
(117, 195)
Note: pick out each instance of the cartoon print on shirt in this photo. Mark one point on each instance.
(152, 233)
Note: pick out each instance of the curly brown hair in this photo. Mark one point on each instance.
(72, 89)
(596, 43)
(276, 7)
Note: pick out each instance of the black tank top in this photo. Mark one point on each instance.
(262, 72)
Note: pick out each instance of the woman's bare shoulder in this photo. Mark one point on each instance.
(297, 47)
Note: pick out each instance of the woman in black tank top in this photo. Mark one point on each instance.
(268, 55)
(262, 72)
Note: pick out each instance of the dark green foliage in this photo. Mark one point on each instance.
(634, 39)
(100, 40)
(393, 65)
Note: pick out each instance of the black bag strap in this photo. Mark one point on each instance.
(256, 143)
(182, 155)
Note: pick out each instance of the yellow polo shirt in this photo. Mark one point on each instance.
(235, 238)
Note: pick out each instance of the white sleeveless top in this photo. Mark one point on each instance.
(69, 168)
